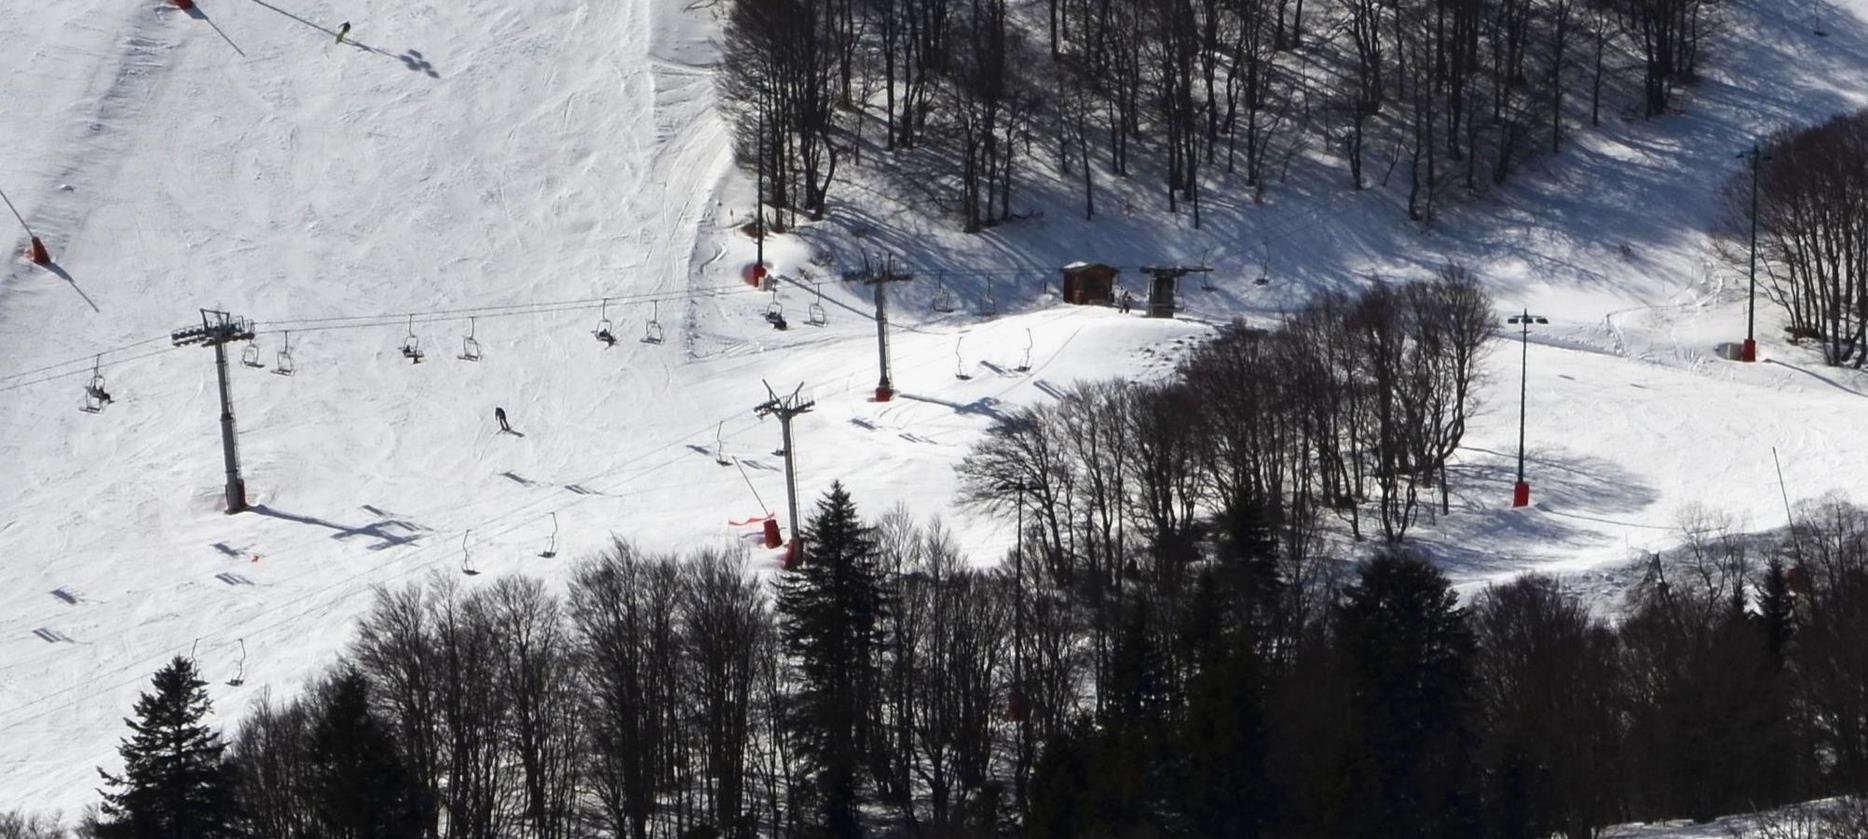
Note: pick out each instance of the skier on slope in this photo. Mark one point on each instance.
(343, 29)
(499, 414)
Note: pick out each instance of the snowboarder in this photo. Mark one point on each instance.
(342, 30)
(1127, 301)
(500, 415)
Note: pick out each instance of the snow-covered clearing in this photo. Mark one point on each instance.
(528, 160)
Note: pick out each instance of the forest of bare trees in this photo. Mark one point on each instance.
(1812, 223)
(1218, 686)
(1432, 96)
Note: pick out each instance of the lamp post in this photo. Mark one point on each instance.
(1521, 492)
(1750, 351)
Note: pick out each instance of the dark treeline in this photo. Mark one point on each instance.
(888, 688)
(1812, 218)
(1175, 647)
(1437, 93)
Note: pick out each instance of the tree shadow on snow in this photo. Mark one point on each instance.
(1572, 497)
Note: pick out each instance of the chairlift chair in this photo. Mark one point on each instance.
(652, 332)
(467, 557)
(283, 364)
(551, 545)
(250, 355)
(603, 332)
(943, 299)
(775, 311)
(815, 314)
(470, 345)
(95, 396)
(412, 346)
(240, 674)
(991, 306)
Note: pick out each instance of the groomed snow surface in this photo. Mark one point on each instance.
(528, 160)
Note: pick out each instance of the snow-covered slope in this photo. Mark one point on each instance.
(524, 161)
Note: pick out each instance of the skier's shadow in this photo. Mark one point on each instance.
(412, 59)
(415, 62)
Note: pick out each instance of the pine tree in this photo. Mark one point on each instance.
(359, 788)
(830, 610)
(175, 784)
(1408, 649)
(1222, 728)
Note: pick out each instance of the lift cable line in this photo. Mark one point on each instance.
(1275, 234)
(44, 373)
(217, 330)
(314, 601)
(88, 357)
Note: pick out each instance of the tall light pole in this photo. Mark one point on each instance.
(758, 202)
(1750, 351)
(1521, 492)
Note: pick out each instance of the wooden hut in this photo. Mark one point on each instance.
(1089, 284)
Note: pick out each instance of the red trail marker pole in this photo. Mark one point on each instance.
(40, 256)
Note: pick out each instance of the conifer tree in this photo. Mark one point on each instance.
(359, 788)
(175, 784)
(1408, 650)
(831, 608)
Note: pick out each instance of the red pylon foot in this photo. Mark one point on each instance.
(40, 256)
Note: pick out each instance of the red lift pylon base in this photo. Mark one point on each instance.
(1749, 352)
(40, 256)
(1521, 494)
